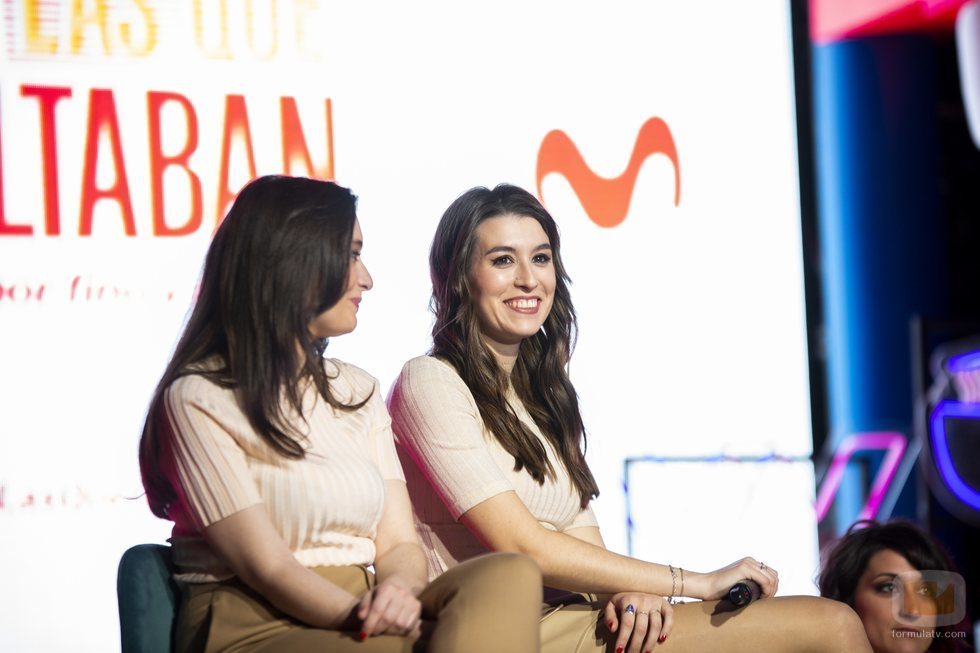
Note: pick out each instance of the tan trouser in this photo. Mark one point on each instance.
(489, 604)
(574, 625)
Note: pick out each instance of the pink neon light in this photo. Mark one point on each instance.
(832, 20)
(892, 441)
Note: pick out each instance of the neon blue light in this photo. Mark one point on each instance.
(964, 362)
(940, 448)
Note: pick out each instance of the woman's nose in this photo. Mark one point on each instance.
(364, 277)
(910, 602)
(524, 276)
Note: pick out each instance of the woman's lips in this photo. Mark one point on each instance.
(525, 305)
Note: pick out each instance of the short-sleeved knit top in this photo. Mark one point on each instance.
(326, 505)
(452, 463)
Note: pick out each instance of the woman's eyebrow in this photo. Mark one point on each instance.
(509, 249)
(500, 248)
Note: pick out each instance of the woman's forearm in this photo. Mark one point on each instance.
(299, 592)
(404, 562)
(398, 552)
(256, 553)
(578, 563)
(571, 563)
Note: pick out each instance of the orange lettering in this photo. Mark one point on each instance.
(236, 128)
(302, 10)
(102, 117)
(149, 26)
(160, 162)
(271, 22)
(82, 19)
(37, 43)
(47, 98)
(294, 150)
(222, 51)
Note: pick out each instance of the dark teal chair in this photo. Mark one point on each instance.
(147, 599)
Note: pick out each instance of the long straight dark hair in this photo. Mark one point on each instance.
(279, 258)
(540, 375)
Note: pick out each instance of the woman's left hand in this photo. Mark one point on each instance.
(640, 620)
(391, 608)
(715, 584)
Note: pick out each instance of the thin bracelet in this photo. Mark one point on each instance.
(673, 584)
(682, 581)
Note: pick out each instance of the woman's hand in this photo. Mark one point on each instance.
(640, 620)
(391, 608)
(715, 584)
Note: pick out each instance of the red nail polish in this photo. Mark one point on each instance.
(363, 635)
(663, 638)
(619, 650)
(610, 625)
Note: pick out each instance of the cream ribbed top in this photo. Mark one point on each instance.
(326, 505)
(452, 463)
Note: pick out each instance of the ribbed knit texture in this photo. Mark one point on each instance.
(453, 463)
(326, 505)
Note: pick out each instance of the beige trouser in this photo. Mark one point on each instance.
(574, 625)
(488, 604)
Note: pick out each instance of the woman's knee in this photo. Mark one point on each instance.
(841, 620)
(838, 615)
(514, 573)
(847, 620)
(516, 566)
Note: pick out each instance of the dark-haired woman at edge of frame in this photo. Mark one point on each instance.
(278, 467)
(877, 569)
(491, 438)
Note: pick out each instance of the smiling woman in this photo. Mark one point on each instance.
(513, 280)
(492, 442)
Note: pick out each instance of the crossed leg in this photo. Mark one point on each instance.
(792, 624)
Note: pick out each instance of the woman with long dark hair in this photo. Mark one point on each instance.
(901, 583)
(277, 465)
(492, 439)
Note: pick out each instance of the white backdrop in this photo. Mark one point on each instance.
(692, 327)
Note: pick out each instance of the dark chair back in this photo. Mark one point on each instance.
(148, 599)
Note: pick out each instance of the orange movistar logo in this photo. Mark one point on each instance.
(606, 201)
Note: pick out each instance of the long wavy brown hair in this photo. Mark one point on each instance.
(540, 375)
(279, 258)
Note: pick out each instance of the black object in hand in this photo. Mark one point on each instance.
(744, 592)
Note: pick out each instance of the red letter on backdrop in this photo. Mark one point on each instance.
(294, 144)
(236, 127)
(159, 163)
(102, 116)
(48, 97)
